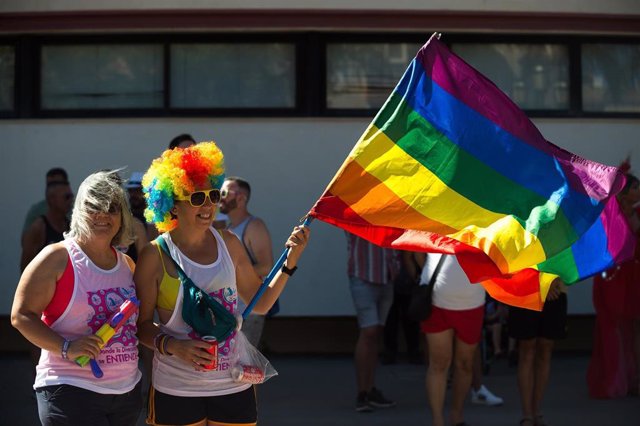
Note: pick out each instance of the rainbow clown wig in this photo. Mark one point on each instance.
(179, 172)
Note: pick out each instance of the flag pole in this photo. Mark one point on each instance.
(269, 277)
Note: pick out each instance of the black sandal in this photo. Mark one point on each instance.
(525, 420)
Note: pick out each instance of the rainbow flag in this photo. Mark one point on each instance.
(450, 164)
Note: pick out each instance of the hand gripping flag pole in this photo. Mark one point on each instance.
(269, 277)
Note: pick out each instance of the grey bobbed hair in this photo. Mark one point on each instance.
(99, 190)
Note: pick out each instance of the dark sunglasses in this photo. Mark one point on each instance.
(114, 208)
(197, 199)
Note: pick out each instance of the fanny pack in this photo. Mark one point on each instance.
(204, 314)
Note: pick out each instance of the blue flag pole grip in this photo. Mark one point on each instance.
(269, 277)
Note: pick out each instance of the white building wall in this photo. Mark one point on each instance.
(289, 162)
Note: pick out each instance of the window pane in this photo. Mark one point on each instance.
(233, 75)
(534, 76)
(7, 77)
(364, 75)
(102, 76)
(611, 78)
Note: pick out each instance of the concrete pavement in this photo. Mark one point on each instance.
(314, 391)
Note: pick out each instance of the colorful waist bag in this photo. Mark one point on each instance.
(204, 314)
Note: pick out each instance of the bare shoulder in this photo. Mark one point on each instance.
(257, 228)
(52, 259)
(228, 237)
(232, 241)
(257, 223)
(149, 253)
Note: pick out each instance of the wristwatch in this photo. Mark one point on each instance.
(288, 271)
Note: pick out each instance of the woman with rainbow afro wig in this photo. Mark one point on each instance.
(178, 172)
(192, 382)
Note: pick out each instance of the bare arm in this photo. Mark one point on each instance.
(32, 241)
(147, 276)
(248, 281)
(34, 293)
(259, 241)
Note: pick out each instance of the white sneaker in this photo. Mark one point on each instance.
(483, 396)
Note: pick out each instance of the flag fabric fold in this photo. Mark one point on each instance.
(450, 164)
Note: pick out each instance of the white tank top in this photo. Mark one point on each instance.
(452, 289)
(174, 376)
(97, 293)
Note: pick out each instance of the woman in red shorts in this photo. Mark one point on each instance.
(456, 316)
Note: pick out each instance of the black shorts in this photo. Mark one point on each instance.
(71, 405)
(551, 323)
(234, 408)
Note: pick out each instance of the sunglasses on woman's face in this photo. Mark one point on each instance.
(197, 199)
(114, 208)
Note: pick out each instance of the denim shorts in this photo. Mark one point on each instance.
(70, 405)
(372, 301)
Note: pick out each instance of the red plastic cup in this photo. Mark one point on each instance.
(213, 350)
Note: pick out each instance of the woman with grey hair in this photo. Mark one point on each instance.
(67, 292)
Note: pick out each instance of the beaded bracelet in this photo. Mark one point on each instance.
(65, 349)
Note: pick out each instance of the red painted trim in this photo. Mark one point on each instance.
(214, 20)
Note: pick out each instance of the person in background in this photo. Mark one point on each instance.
(480, 394)
(182, 199)
(49, 227)
(371, 272)
(65, 294)
(403, 284)
(254, 236)
(453, 331)
(536, 333)
(57, 174)
(614, 368)
(184, 140)
(144, 232)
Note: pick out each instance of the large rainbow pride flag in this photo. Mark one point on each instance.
(450, 164)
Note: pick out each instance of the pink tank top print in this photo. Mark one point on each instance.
(97, 293)
(104, 304)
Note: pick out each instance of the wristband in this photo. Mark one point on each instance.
(65, 349)
(288, 271)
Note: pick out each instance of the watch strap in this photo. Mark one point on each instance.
(288, 271)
